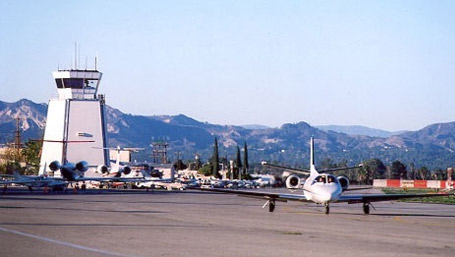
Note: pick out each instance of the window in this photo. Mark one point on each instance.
(331, 179)
(70, 83)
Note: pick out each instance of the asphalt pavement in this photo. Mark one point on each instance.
(194, 223)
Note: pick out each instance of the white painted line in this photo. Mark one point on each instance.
(58, 242)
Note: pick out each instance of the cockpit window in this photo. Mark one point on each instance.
(320, 179)
(325, 179)
(331, 179)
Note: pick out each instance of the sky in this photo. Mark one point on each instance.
(383, 64)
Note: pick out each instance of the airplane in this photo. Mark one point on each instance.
(74, 172)
(320, 188)
(35, 181)
(116, 170)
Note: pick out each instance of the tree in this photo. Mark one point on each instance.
(245, 159)
(423, 173)
(180, 165)
(216, 160)
(439, 174)
(327, 163)
(372, 169)
(31, 153)
(412, 174)
(398, 170)
(10, 161)
(238, 162)
(206, 170)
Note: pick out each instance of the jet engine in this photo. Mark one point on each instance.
(126, 170)
(82, 166)
(102, 169)
(54, 166)
(344, 182)
(293, 182)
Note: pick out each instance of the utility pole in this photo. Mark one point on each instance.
(178, 160)
(17, 141)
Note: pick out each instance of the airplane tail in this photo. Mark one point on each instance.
(115, 166)
(117, 161)
(144, 173)
(17, 176)
(313, 170)
(44, 170)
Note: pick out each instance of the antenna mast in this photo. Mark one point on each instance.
(17, 143)
(75, 55)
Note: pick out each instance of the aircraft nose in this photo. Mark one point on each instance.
(330, 196)
(326, 197)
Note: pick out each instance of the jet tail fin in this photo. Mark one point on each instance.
(17, 176)
(313, 170)
(144, 173)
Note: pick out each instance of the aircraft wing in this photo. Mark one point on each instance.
(306, 171)
(34, 183)
(366, 198)
(131, 180)
(260, 195)
(293, 170)
(113, 179)
(6, 182)
(19, 182)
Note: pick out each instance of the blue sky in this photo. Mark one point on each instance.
(382, 64)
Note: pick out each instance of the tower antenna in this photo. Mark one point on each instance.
(75, 55)
(78, 56)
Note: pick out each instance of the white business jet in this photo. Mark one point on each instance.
(74, 172)
(35, 181)
(321, 188)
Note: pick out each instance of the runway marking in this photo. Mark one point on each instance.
(58, 242)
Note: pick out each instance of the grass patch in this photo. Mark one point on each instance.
(438, 199)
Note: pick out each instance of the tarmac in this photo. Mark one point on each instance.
(194, 223)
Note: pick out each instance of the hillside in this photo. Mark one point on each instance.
(432, 146)
(359, 130)
(32, 116)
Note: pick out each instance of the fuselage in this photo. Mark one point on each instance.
(322, 188)
(40, 181)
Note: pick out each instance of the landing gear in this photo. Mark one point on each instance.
(327, 208)
(366, 208)
(271, 204)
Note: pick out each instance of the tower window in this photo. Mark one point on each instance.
(70, 83)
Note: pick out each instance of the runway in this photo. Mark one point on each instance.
(193, 223)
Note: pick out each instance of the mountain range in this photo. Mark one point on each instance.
(360, 130)
(432, 146)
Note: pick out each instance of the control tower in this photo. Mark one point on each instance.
(76, 126)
